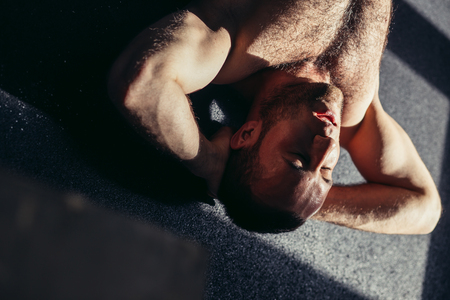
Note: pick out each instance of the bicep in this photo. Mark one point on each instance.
(384, 153)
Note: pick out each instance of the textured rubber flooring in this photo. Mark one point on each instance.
(57, 126)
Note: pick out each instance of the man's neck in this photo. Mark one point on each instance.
(262, 82)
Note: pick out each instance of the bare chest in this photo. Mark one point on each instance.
(326, 33)
(295, 31)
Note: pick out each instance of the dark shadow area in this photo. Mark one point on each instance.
(58, 246)
(427, 51)
(56, 57)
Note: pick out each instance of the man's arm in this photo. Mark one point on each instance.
(399, 197)
(149, 82)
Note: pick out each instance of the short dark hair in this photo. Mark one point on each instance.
(243, 165)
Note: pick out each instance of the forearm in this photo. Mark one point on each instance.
(162, 114)
(399, 197)
(381, 208)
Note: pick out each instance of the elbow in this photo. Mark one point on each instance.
(122, 79)
(431, 213)
(133, 87)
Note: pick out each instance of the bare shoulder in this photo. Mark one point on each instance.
(186, 46)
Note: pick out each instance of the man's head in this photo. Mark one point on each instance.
(279, 171)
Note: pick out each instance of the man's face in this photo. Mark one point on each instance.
(297, 155)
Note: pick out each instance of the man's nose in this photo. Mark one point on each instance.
(323, 150)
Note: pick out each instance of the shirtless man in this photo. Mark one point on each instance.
(318, 89)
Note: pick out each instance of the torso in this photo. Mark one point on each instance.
(339, 42)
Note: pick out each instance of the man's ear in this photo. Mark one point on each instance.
(247, 135)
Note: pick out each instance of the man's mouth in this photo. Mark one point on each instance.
(326, 117)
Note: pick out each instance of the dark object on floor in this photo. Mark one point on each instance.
(58, 246)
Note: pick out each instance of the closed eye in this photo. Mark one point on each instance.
(301, 170)
(328, 171)
(302, 160)
(297, 165)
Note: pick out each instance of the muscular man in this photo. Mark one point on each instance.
(311, 68)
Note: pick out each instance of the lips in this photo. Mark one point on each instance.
(326, 116)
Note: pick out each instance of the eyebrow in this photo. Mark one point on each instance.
(302, 171)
